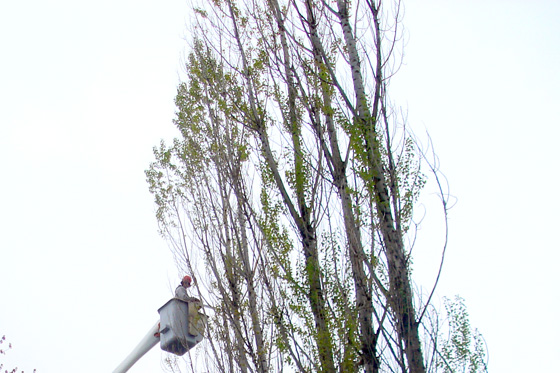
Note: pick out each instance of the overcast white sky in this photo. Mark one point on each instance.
(87, 89)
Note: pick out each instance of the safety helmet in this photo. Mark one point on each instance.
(187, 278)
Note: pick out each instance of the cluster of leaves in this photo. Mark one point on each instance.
(464, 349)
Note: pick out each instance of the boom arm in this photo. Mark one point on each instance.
(149, 341)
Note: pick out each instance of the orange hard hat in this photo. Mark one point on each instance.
(187, 278)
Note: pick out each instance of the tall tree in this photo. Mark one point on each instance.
(290, 192)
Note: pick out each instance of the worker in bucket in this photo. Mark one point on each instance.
(181, 291)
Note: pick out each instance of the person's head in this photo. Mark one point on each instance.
(186, 281)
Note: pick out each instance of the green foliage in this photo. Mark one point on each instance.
(410, 181)
(280, 192)
(464, 350)
(338, 289)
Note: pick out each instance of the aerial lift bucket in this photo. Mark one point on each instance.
(180, 328)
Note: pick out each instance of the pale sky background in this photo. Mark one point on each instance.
(87, 89)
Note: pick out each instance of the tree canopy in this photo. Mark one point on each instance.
(290, 192)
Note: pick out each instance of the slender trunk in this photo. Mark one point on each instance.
(232, 312)
(303, 218)
(308, 233)
(248, 274)
(356, 251)
(229, 265)
(400, 291)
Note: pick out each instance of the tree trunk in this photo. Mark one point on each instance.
(400, 291)
(356, 251)
(303, 218)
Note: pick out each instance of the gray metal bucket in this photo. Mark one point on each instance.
(181, 326)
